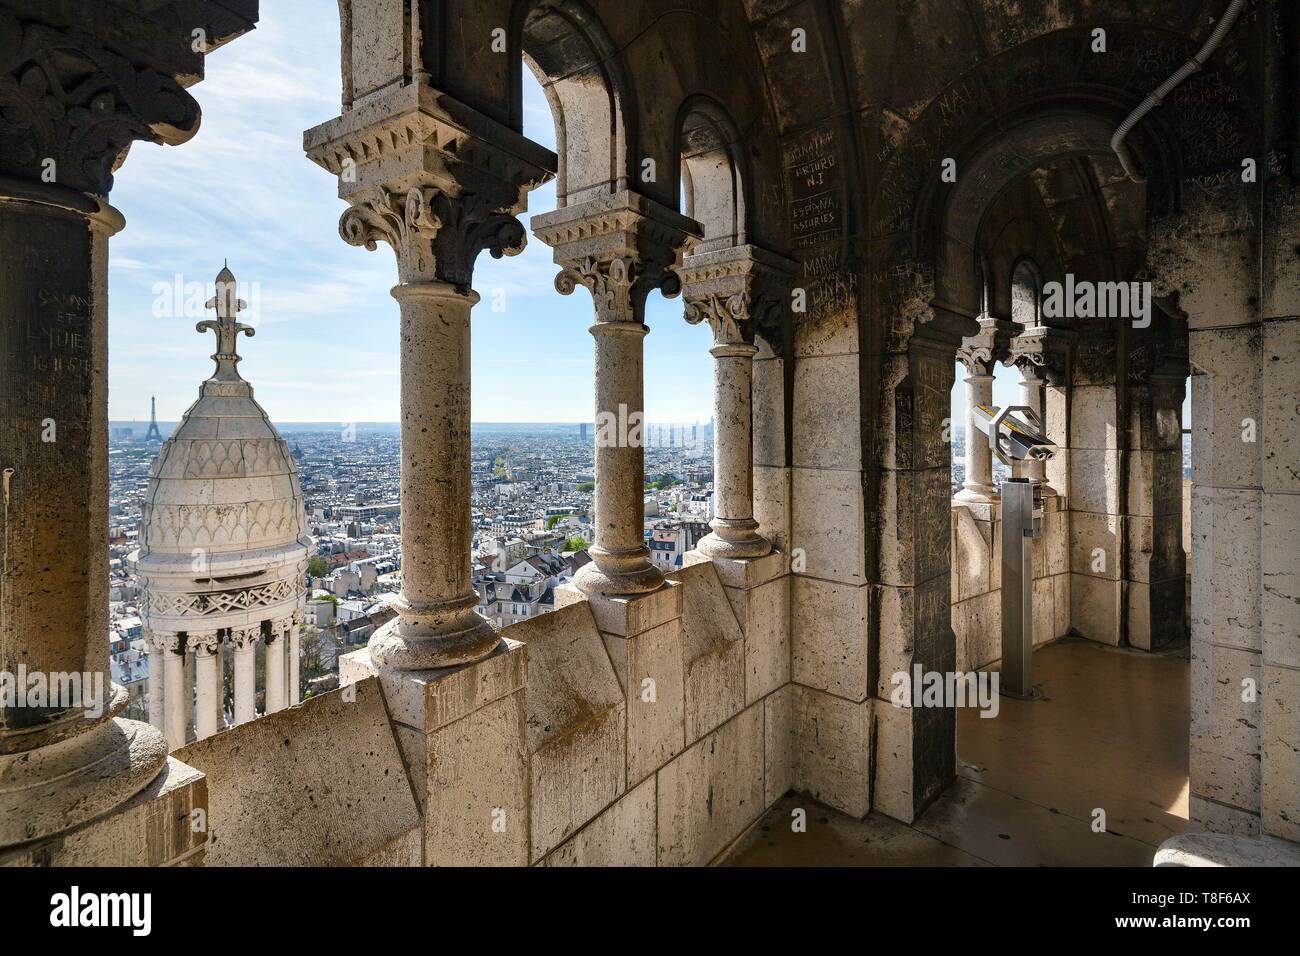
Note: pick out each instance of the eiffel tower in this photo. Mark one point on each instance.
(153, 434)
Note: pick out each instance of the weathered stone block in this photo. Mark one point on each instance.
(829, 637)
(778, 743)
(427, 700)
(1089, 532)
(655, 686)
(1281, 597)
(768, 394)
(325, 761)
(627, 616)
(709, 794)
(1226, 536)
(475, 779)
(764, 615)
(833, 749)
(577, 724)
(162, 825)
(1093, 420)
(1280, 763)
(827, 526)
(1224, 398)
(772, 505)
(1094, 481)
(713, 651)
(624, 835)
(826, 431)
(1279, 431)
(894, 794)
(1094, 608)
(977, 624)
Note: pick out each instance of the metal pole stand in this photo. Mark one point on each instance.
(1022, 521)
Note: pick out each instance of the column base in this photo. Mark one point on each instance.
(611, 574)
(734, 538)
(73, 779)
(977, 494)
(406, 645)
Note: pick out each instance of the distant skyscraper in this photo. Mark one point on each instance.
(582, 431)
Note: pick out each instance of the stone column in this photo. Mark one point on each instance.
(977, 485)
(244, 641)
(620, 248)
(203, 645)
(446, 184)
(219, 690)
(156, 647)
(177, 693)
(436, 237)
(73, 105)
(191, 725)
(275, 642)
(58, 767)
(978, 354)
(733, 289)
(295, 653)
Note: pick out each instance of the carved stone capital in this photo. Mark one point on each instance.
(620, 248)
(977, 360)
(738, 291)
(163, 642)
(70, 107)
(435, 236)
(1042, 351)
(433, 178)
(979, 352)
(245, 638)
(203, 642)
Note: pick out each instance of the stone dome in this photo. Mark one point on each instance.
(224, 539)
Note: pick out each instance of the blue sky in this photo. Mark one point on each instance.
(326, 343)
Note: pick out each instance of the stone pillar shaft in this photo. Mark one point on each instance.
(619, 551)
(275, 671)
(245, 676)
(438, 625)
(295, 652)
(59, 765)
(979, 457)
(620, 248)
(157, 682)
(735, 532)
(219, 688)
(177, 693)
(205, 676)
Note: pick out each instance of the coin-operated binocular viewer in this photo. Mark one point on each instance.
(1014, 439)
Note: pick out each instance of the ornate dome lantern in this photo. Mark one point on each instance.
(224, 546)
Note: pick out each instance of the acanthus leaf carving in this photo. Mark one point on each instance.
(436, 236)
(65, 98)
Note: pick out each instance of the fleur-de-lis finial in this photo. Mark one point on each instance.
(227, 305)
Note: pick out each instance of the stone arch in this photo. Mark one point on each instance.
(928, 290)
(712, 173)
(574, 59)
